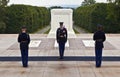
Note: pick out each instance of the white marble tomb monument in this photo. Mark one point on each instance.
(61, 15)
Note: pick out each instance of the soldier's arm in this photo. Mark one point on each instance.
(94, 37)
(19, 40)
(28, 39)
(57, 38)
(104, 37)
(66, 35)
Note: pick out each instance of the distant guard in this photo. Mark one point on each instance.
(24, 40)
(61, 36)
(99, 37)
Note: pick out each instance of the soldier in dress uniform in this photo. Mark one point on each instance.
(99, 37)
(24, 40)
(61, 36)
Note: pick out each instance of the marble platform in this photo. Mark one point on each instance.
(34, 43)
(89, 43)
(48, 64)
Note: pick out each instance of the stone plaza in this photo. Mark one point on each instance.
(44, 62)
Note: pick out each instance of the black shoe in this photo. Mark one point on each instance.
(98, 66)
(60, 57)
(25, 66)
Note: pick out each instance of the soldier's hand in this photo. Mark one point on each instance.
(57, 41)
(66, 41)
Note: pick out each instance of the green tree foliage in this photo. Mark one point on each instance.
(3, 4)
(2, 19)
(114, 12)
(88, 2)
(89, 16)
(117, 2)
(32, 17)
(54, 7)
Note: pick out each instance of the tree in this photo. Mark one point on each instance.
(55, 7)
(110, 1)
(114, 12)
(33, 17)
(117, 2)
(4, 2)
(88, 2)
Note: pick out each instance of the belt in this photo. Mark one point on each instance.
(99, 40)
(23, 41)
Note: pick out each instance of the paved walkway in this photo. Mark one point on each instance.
(79, 60)
(80, 30)
(42, 31)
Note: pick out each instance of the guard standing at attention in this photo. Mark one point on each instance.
(24, 40)
(99, 37)
(61, 36)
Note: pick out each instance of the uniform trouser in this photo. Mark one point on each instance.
(61, 49)
(24, 54)
(98, 53)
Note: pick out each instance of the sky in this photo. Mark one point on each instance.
(49, 2)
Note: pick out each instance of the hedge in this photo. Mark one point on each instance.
(89, 17)
(32, 17)
(2, 19)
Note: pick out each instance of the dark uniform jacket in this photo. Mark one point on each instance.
(61, 35)
(24, 40)
(99, 38)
